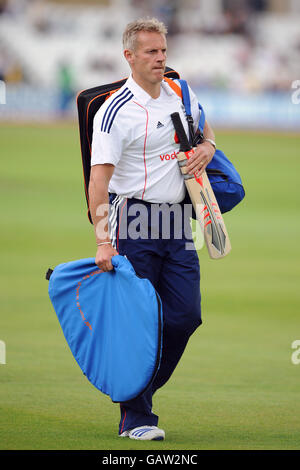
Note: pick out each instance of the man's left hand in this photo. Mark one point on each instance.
(201, 157)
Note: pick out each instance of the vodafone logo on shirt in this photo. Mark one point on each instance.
(167, 156)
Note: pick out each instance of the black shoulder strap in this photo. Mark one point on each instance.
(88, 103)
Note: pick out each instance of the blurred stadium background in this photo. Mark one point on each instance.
(240, 56)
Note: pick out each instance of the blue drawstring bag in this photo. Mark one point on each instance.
(112, 322)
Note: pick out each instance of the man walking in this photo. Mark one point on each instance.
(133, 137)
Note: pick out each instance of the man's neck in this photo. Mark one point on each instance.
(153, 89)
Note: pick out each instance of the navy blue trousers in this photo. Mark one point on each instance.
(156, 246)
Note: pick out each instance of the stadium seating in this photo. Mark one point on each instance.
(89, 40)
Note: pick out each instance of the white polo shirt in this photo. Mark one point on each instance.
(135, 133)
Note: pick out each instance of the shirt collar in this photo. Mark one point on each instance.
(141, 94)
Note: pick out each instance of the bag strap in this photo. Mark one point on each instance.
(174, 86)
(187, 104)
(183, 93)
(194, 139)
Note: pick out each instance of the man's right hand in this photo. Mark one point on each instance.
(103, 257)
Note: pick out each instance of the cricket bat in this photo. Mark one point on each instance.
(203, 198)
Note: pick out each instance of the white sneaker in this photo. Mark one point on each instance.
(145, 433)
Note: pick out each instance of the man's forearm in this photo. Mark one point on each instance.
(208, 132)
(99, 208)
(99, 201)
(99, 205)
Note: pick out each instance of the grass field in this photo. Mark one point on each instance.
(235, 387)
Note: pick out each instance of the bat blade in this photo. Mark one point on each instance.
(203, 199)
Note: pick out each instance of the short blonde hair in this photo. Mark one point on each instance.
(152, 25)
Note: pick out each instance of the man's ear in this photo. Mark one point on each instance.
(128, 54)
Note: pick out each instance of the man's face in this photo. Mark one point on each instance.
(148, 60)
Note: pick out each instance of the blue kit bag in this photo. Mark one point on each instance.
(112, 322)
(224, 178)
(225, 181)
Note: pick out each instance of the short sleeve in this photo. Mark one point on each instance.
(107, 147)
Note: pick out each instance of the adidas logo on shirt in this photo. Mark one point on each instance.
(159, 124)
